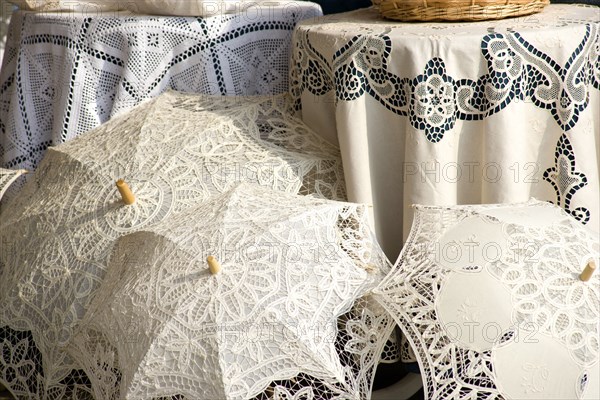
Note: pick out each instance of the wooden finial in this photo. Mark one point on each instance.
(126, 194)
(213, 265)
(586, 275)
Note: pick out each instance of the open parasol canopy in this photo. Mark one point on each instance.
(172, 153)
(281, 269)
(495, 302)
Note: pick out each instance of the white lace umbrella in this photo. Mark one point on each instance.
(7, 177)
(287, 267)
(174, 152)
(491, 299)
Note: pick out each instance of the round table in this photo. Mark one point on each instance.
(456, 113)
(65, 73)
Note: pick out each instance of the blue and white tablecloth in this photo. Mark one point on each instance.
(457, 113)
(65, 73)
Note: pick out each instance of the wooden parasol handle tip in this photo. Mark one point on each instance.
(213, 265)
(126, 193)
(587, 273)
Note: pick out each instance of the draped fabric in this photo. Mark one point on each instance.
(66, 73)
(5, 13)
(456, 113)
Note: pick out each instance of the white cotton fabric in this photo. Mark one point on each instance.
(67, 73)
(384, 91)
(87, 6)
(205, 8)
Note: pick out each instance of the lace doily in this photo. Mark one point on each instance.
(162, 325)
(490, 299)
(58, 233)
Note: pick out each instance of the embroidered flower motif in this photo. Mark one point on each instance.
(535, 377)
(503, 59)
(433, 103)
(15, 368)
(372, 55)
(282, 393)
(469, 311)
(365, 335)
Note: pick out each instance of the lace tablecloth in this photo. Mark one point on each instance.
(456, 113)
(64, 74)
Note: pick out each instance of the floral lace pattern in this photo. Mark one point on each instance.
(524, 91)
(269, 315)
(22, 372)
(566, 180)
(524, 303)
(66, 73)
(434, 100)
(58, 234)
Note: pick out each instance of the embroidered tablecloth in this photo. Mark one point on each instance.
(64, 73)
(456, 113)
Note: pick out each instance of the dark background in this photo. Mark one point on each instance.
(336, 6)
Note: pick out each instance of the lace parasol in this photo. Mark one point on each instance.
(281, 269)
(492, 300)
(174, 152)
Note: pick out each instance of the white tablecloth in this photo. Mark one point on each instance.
(66, 73)
(456, 113)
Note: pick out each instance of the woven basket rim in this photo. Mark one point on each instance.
(456, 10)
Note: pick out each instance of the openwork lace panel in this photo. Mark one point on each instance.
(490, 299)
(174, 152)
(66, 73)
(162, 325)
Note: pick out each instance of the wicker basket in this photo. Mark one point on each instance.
(457, 10)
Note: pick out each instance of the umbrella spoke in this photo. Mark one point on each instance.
(508, 323)
(174, 152)
(268, 315)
